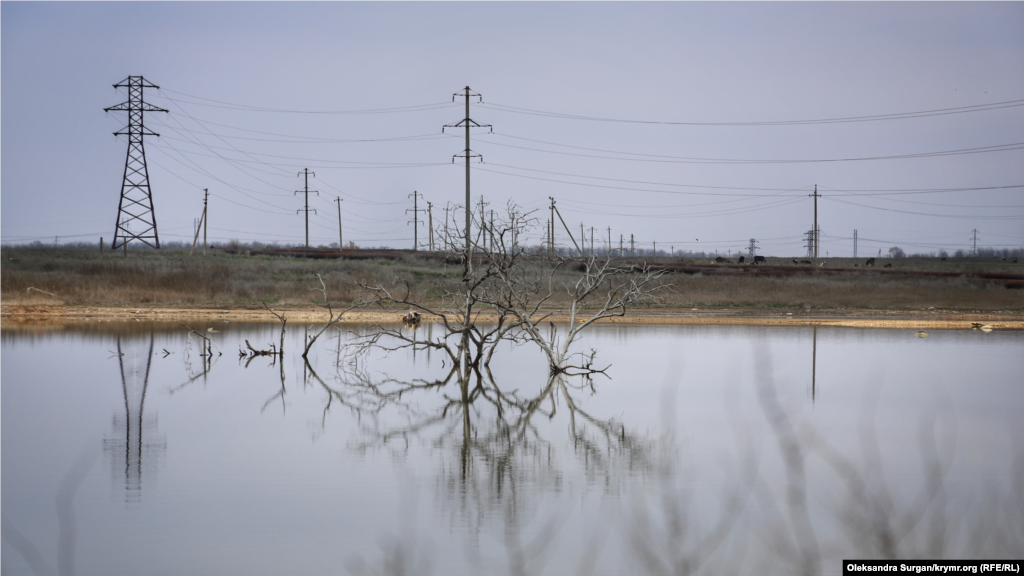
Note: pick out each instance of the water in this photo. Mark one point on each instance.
(706, 448)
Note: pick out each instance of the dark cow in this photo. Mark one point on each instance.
(795, 261)
(805, 261)
(889, 265)
(759, 260)
(870, 262)
(1014, 260)
(720, 260)
(740, 260)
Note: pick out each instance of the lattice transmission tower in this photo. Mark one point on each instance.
(135, 209)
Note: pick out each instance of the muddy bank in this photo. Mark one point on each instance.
(918, 319)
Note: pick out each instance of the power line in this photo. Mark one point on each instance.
(839, 120)
(249, 108)
(981, 217)
(698, 160)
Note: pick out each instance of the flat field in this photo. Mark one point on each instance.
(170, 278)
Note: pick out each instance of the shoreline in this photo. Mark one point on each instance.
(919, 319)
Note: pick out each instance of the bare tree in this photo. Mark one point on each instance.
(522, 292)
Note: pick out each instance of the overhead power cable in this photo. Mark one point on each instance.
(837, 120)
(313, 139)
(249, 108)
(958, 216)
(850, 191)
(698, 160)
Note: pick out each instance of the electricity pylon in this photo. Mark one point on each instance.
(136, 204)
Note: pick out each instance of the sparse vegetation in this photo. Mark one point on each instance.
(169, 277)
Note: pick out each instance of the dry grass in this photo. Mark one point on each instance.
(169, 277)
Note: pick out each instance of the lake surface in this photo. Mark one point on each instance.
(706, 449)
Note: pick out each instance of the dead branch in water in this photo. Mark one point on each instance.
(331, 318)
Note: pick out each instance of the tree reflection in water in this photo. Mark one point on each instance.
(493, 458)
(791, 509)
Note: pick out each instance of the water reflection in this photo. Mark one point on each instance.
(814, 363)
(137, 442)
(490, 441)
(699, 454)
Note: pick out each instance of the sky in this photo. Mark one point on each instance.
(696, 126)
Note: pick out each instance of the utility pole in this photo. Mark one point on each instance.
(430, 223)
(446, 227)
(566, 226)
(206, 199)
(609, 241)
(467, 123)
(490, 230)
(631, 246)
(620, 244)
(752, 249)
(136, 202)
(306, 191)
(200, 224)
(415, 220)
(583, 240)
(816, 235)
(341, 243)
(551, 237)
(655, 248)
(975, 249)
(483, 223)
(591, 241)
(855, 243)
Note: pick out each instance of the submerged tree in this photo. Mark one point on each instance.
(517, 292)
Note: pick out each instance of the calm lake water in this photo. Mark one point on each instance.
(706, 449)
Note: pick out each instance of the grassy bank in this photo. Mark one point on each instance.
(169, 277)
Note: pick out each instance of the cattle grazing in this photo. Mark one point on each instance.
(720, 260)
(740, 260)
(943, 258)
(805, 261)
(759, 260)
(795, 261)
(889, 265)
(1014, 260)
(870, 262)
(822, 264)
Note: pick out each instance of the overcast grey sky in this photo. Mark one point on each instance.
(249, 87)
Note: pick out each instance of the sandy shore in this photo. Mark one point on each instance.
(918, 319)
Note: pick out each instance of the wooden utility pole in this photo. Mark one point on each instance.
(631, 246)
(551, 236)
(446, 227)
(206, 201)
(430, 224)
(341, 243)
